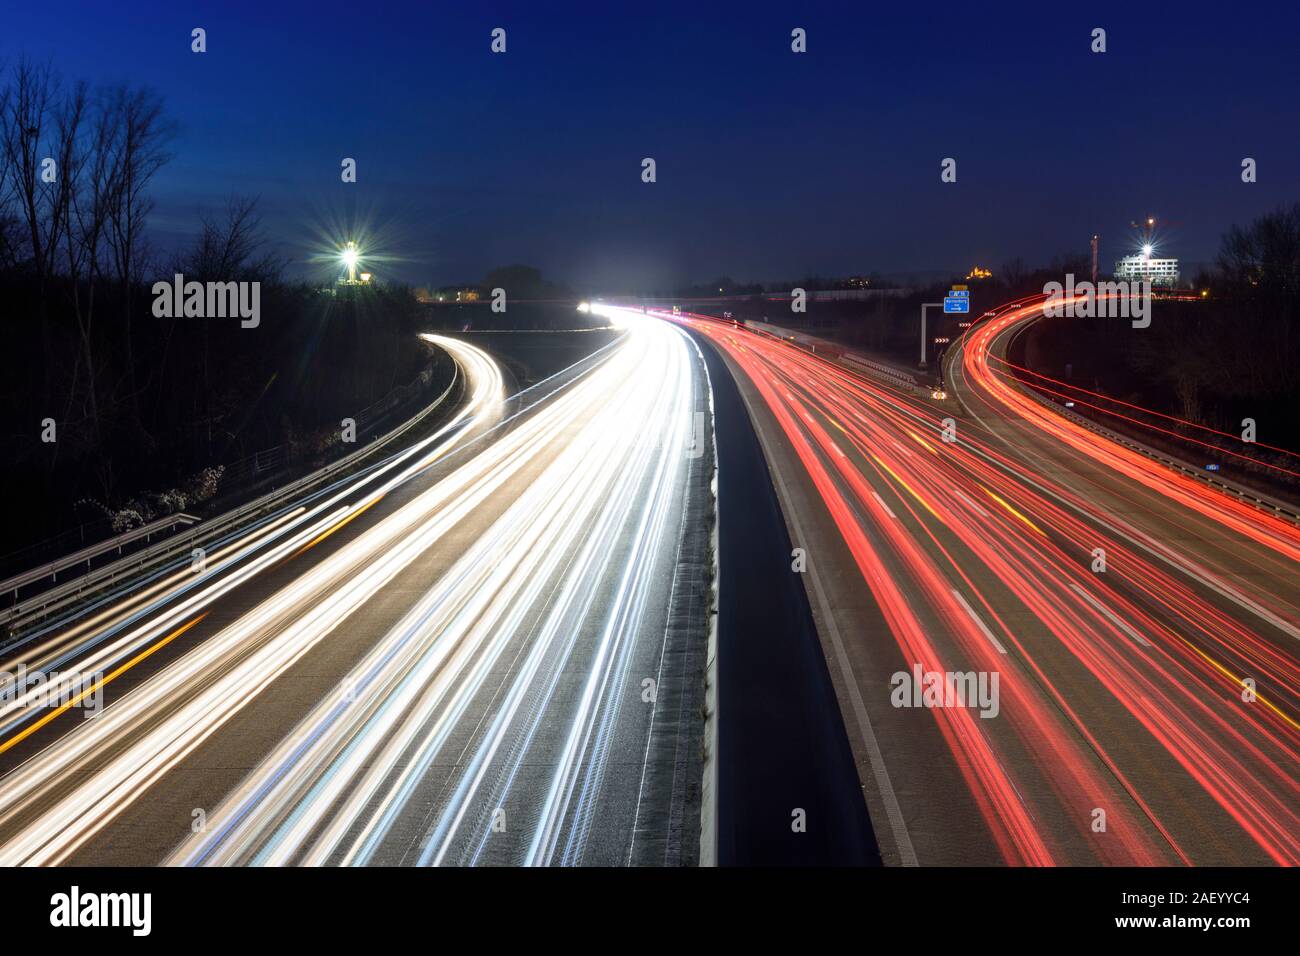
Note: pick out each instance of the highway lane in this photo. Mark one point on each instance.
(1244, 547)
(457, 676)
(1118, 733)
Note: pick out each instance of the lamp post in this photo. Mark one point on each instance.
(349, 257)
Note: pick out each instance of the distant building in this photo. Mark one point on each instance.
(1161, 272)
(467, 295)
(978, 273)
(859, 282)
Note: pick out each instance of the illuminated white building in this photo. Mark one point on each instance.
(1161, 272)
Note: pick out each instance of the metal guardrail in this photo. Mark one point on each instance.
(878, 368)
(834, 350)
(268, 460)
(244, 471)
(396, 397)
(1262, 501)
(54, 599)
(88, 554)
(274, 459)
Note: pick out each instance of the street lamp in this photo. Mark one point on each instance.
(350, 255)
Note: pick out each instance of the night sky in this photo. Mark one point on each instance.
(770, 164)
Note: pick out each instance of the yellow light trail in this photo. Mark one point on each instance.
(102, 682)
(910, 490)
(1013, 511)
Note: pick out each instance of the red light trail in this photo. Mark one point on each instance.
(980, 562)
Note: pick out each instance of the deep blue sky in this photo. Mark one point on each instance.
(770, 164)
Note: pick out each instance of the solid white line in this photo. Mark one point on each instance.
(980, 624)
(1110, 615)
(884, 786)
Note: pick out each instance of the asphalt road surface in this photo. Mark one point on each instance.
(476, 652)
(1045, 652)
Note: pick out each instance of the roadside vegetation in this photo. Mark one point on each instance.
(147, 413)
(1213, 360)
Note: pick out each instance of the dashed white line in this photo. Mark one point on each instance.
(982, 513)
(881, 501)
(979, 623)
(1110, 615)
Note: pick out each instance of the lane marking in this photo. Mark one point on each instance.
(881, 502)
(979, 623)
(923, 442)
(357, 512)
(1178, 562)
(970, 501)
(1110, 615)
(884, 786)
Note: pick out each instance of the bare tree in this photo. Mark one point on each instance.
(22, 128)
(80, 225)
(227, 245)
(139, 134)
(77, 223)
(1262, 260)
(8, 222)
(225, 250)
(1014, 272)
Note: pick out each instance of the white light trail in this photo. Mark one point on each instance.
(589, 527)
(556, 586)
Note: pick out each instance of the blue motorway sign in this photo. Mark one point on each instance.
(956, 303)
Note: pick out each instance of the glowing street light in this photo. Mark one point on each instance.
(349, 256)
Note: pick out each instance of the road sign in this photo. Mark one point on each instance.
(956, 303)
